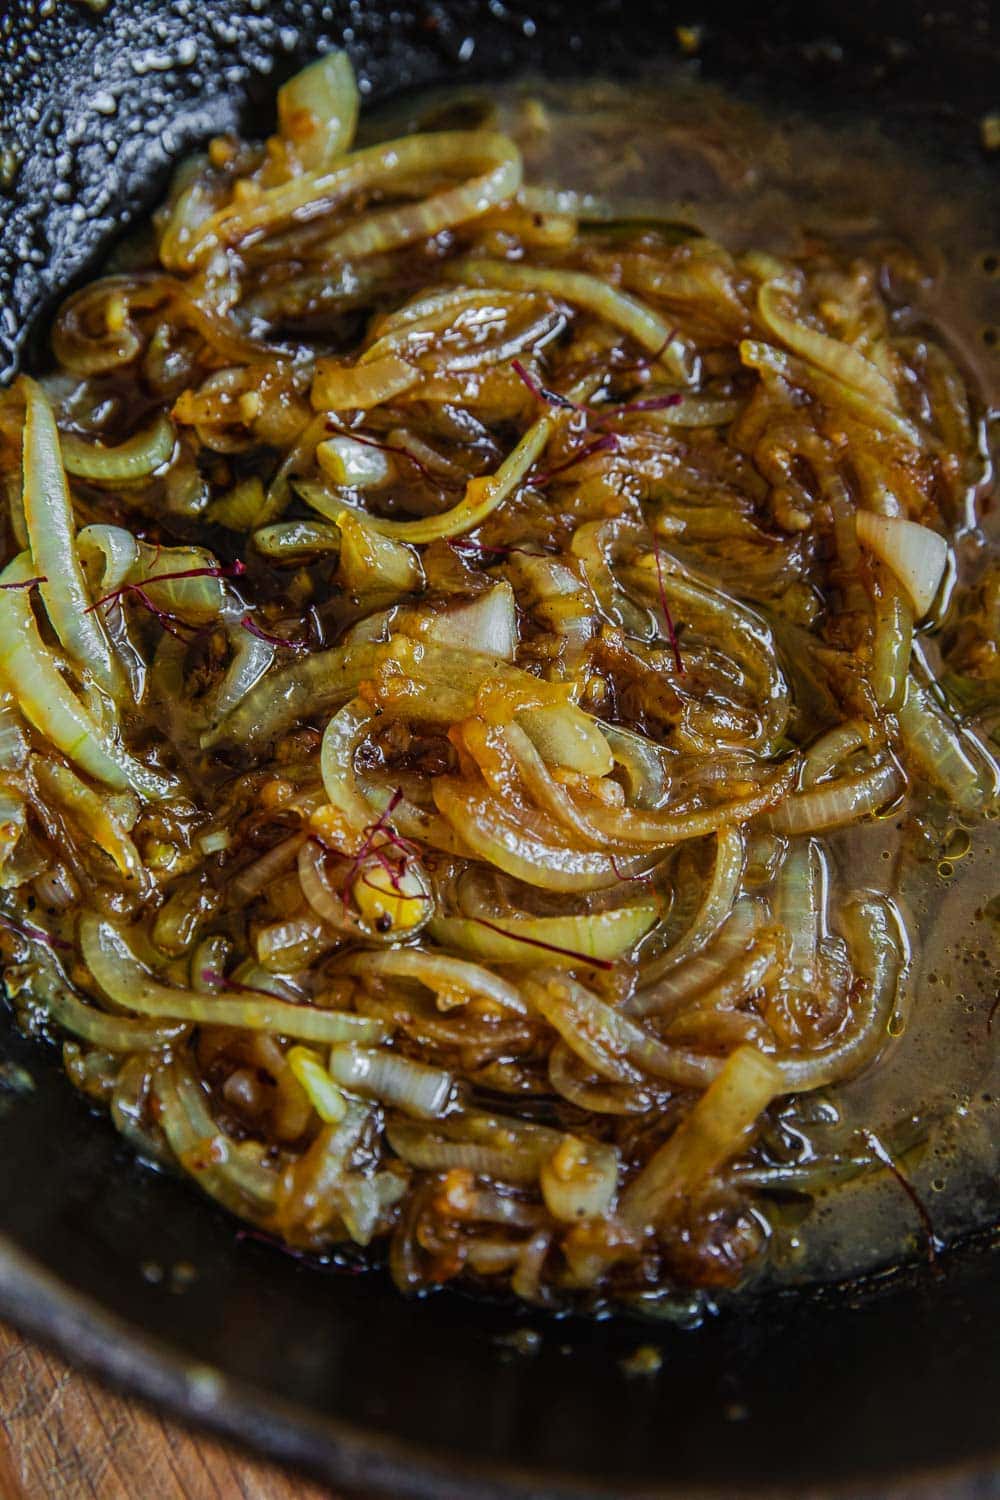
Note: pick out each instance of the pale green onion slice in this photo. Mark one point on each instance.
(569, 941)
(124, 980)
(916, 555)
(51, 525)
(318, 110)
(137, 458)
(30, 672)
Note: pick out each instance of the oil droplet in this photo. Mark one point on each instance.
(182, 1274)
(645, 1360)
(946, 870)
(897, 1024)
(958, 845)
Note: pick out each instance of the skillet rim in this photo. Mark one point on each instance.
(359, 1458)
(354, 1453)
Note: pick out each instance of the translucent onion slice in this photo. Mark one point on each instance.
(421, 679)
(292, 540)
(565, 736)
(748, 639)
(46, 701)
(592, 294)
(342, 738)
(713, 1019)
(507, 1150)
(199, 596)
(830, 390)
(535, 855)
(487, 624)
(124, 980)
(839, 803)
(493, 159)
(230, 1172)
(337, 387)
(716, 904)
(641, 762)
(717, 1129)
(934, 745)
(111, 1033)
(324, 1095)
(13, 823)
(109, 554)
(481, 328)
(346, 461)
(318, 681)
(892, 646)
(669, 990)
(252, 879)
(482, 496)
(916, 555)
(603, 935)
(415, 1088)
(829, 354)
(664, 828)
(579, 1180)
(137, 458)
(877, 948)
(13, 740)
(251, 658)
(571, 1079)
(239, 508)
(801, 902)
(48, 513)
(452, 979)
(318, 111)
(825, 755)
(612, 1045)
(91, 812)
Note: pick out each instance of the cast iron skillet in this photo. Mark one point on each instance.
(888, 1389)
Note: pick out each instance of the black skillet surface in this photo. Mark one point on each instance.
(892, 1390)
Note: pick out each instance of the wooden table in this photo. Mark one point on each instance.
(64, 1437)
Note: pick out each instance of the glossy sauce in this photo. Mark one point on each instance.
(755, 178)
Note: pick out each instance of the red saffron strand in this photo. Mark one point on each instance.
(465, 545)
(481, 550)
(623, 874)
(880, 1153)
(250, 625)
(668, 617)
(171, 623)
(606, 444)
(645, 360)
(232, 570)
(643, 403)
(34, 934)
(542, 392)
(401, 452)
(381, 891)
(593, 414)
(582, 958)
(371, 834)
(29, 583)
(212, 976)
